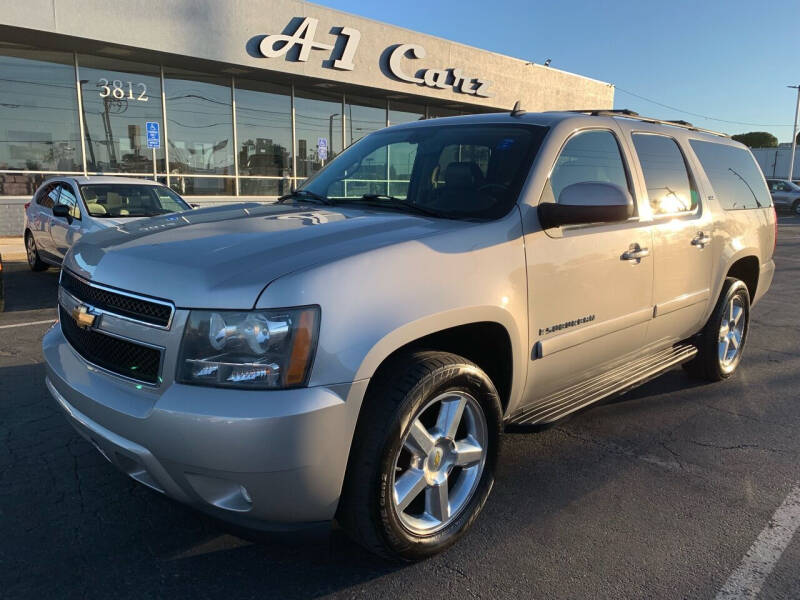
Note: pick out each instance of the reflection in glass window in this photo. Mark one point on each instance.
(435, 112)
(264, 187)
(668, 185)
(318, 126)
(589, 156)
(118, 99)
(402, 112)
(48, 195)
(734, 175)
(364, 115)
(203, 186)
(22, 184)
(264, 128)
(38, 110)
(199, 123)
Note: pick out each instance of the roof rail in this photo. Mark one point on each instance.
(629, 114)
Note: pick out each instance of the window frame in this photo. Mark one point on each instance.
(684, 214)
(78, 199)
(635, 218)
(45, 190)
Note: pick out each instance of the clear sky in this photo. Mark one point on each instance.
(730, 60)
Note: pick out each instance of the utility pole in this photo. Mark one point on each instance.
(794, 131)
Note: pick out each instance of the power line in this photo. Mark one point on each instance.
(694, 114)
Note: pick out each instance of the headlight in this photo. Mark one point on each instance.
(255, 349)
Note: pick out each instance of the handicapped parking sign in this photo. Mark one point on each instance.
(153, 134)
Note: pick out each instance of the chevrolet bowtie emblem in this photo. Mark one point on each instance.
(83, 317)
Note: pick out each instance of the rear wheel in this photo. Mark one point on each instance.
(721, 343)
(423, 457)
(34, 262)
(796, 207)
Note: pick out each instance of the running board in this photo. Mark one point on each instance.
(616, 381)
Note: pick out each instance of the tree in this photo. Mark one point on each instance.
(757, 139)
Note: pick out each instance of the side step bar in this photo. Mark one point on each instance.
(616, 381)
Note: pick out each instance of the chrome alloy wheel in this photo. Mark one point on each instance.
(731, 332)
(30, 249)
(440, 462)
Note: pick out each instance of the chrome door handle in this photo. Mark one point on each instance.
(700, 240)
(635, 253)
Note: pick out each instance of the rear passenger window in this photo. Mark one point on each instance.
(669, 187)
(734, 175)
(589, 156)
(48, 197)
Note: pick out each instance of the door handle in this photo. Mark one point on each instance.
(635, 253)
(700, 240)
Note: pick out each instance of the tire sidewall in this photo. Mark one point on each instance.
(735, 288)
(30, 240)
(466, 378)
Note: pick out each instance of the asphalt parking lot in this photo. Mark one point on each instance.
(660, 493)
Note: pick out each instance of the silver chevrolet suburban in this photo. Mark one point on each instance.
(354, 351)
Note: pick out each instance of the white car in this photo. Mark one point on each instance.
(64, 209)
(785, 193)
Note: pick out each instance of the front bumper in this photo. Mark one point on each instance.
(263, 459)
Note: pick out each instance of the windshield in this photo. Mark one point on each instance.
(113, 200)
(454, 171)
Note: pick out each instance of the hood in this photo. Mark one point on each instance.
(223, 257)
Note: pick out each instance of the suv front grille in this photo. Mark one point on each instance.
(119, 303)
(113, 354)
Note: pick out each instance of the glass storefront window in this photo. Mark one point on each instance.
(264, 128)
(441, 111)
(258, 186)
(199, 123)
(119, 98)
(318, 126)
(364, 115)
(23, 184)
(403, 112)
(203, 186)
(38, 110)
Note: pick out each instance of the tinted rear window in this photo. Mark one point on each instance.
(734, 175)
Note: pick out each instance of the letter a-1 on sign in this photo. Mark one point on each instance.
(276, 45)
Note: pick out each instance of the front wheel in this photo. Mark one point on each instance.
(721, 343)
(423, 457)
(796, 207)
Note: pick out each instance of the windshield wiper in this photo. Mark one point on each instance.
(306, 195)
(380, 200)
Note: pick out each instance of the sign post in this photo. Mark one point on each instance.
(153, 141)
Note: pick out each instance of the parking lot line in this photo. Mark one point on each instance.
(766, 551)
(28, 323)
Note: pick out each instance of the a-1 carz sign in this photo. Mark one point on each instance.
(279, 45)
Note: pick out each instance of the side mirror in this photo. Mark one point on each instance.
(587, 202)
(194, 205)
(62, 211)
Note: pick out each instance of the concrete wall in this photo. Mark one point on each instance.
(774, 162)
(229, 31)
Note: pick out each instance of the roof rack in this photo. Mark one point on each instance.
(629, 114)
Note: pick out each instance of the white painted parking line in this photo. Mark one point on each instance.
(763, 555)
(28, 323)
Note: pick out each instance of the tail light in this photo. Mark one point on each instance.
(775, 222)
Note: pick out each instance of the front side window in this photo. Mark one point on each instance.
(454, 171)
(112, 200)
(590, 156)
(669, 187)
(68, 197)
(734, 175)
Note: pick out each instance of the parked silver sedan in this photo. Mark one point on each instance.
(64, 209)
(785, 193)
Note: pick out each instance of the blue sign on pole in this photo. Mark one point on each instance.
(153, 134)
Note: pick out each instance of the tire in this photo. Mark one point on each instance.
(34, 262)
(723, 327)
(412, 391)
(796, 207)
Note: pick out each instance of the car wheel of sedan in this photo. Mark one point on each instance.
(34, 262)
(721, 343)
(796, 207)
(423, 457)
